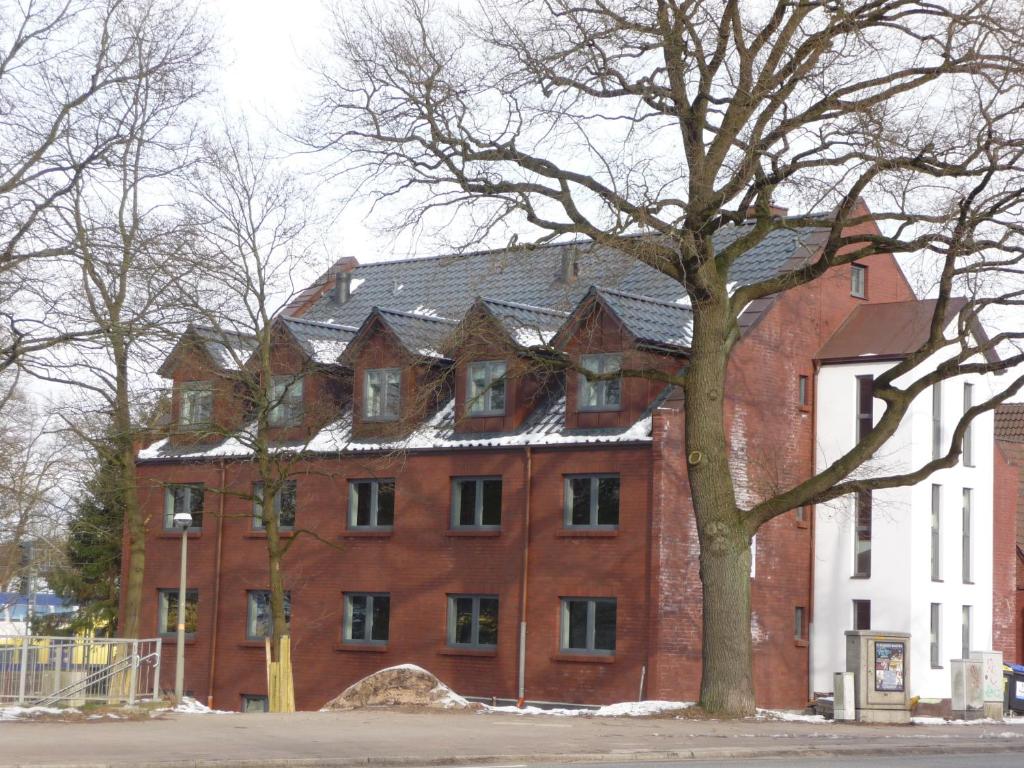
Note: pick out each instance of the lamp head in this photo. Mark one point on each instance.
(182, 520)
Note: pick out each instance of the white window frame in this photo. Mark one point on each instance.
(195, 396)
(475, 627)
(595, 478)
(590, 648)
(386, 407)
(967, 537)
(170, 509)
(251, 607)
(257, 505)
(286, 401)
(164, 609)
(598, 391)
(967, 452)
(478, 512)
(859, 281)
(371, 598)
(480, 401)
(353, 503)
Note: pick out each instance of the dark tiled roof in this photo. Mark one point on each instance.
(528, 325)
(885, 331)
(448, 285)
(660, 323)
(323, 343)
(422, 335)
(1009, 422)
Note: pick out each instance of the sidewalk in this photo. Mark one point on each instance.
(380, 737)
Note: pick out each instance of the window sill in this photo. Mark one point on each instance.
(802, 524)
(937, 667)
(252, 644)
(263, 534)
(800, 643)
(938, 581)
(859, 577)
(471, 533)
(585, 658)
(361, 647)
(380, 533)
(587, 533)
(614, 409)
(449, 650)
(172, 639)
(484, 414)
(805, 408)
(176, 535)
(968, 583)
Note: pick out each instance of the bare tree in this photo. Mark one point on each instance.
(677, 118)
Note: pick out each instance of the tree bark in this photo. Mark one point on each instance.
(135, 525)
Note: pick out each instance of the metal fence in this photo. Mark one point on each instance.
(73, 670)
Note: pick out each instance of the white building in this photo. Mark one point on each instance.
(913, 559)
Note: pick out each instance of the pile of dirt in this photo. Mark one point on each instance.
(403, 686)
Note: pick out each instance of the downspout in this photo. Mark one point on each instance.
(216, 581)
(521, 696)
(810, 598)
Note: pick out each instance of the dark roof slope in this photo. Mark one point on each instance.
(661, 323)
(1009, 422)
(448, 285)
(886, 331)
(323, 343)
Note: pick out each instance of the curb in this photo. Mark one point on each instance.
(696, 753)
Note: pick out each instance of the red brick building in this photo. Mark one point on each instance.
(1009, 546)
(465, 497)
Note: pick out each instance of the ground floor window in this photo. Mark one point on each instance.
(259, 621)
(473, 620)
(367, 617)
(862, 614)
(168, 616)
(255, 703)
(934, 635)
(588, 624)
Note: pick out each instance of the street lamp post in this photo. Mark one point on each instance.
(182, 520)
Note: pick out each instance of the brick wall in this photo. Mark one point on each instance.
(1007, 569)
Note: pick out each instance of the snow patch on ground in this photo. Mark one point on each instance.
(622, 709)
(983, 721)
(189, 706)
(789, 717)
(27, 713)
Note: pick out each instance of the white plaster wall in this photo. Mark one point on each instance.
(900, 587)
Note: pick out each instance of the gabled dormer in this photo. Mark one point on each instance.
(399, 363)
(501, 370)
(609, 331)
(204, 367)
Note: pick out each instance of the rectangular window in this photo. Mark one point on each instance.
(804, 391)
(862, 614)
(473, 620)
(196, 404)
(259, 621)
(255, 703)
(968, 523)
(934, 634)
(476, 502)
(859, 281)
(799, 623)
(936, 419)
(371, 504)
(167, 623)
(588, 624)
(591, 501)
(284, 505)
(367, 618)
(865, 405)
(965, 632)
(185, 497)
(802, 514)
(862, 540)
(968, 451)
(285, 401)
(936, 533)
(382, 395)
(485, 392)
(603, 395)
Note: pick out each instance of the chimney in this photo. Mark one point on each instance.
(342, 287)
(777, 212)
(570, 268)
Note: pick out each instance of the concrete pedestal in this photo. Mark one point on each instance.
(968, 689)
(844, 705)
(992, 682)
(880, 663)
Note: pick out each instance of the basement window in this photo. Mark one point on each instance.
(259, 621)
(371, 504)
(284, 505)
(367, 618)
(588, 624)
(255, 703)
(167, 624)
(183, 497)
(592, 501)
(473, 621)
(476, 502)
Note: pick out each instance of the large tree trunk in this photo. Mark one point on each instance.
(135, 525)
(726, 674)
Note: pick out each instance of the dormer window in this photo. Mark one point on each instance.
(604, 394)
(383, 394)
(285, 401)
(486, 389)
(196, 408)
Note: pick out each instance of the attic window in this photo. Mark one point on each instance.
(859, 281)
(603, 394)
(486, 390)
(196, 408)
(285, 401)
(382, 394)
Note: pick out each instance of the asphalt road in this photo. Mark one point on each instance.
(988, 760)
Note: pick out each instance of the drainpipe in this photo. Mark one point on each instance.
(216, 581)
(521, 698)
(810, 599)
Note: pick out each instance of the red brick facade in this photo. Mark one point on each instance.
(1007, 567)
(649, 564)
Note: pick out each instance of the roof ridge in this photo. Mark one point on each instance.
(415, 316)
(222, 332)
(320, 323)
(641, 297)
(520, 305)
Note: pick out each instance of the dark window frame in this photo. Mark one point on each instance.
(163, 624)
(257, 505)
(799, 622)
(967, 453)
(171, 505)
(374, 504)
(286, 400)
(255, 698)
(966, 545)
(935, 635)
(862, 532)
(937, 420)
(936, 533)
(569, 495)
(451, 633)
(565, 635)
(966, 627)
(601, 388)
(389, 404)
(865, 405)
(372, 600)
(202, 390)
(251, 605)
(482, 403)
(862, 614)
(479, 498)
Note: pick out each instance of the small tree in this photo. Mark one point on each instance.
(609, 118)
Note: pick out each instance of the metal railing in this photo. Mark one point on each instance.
(73, 670)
